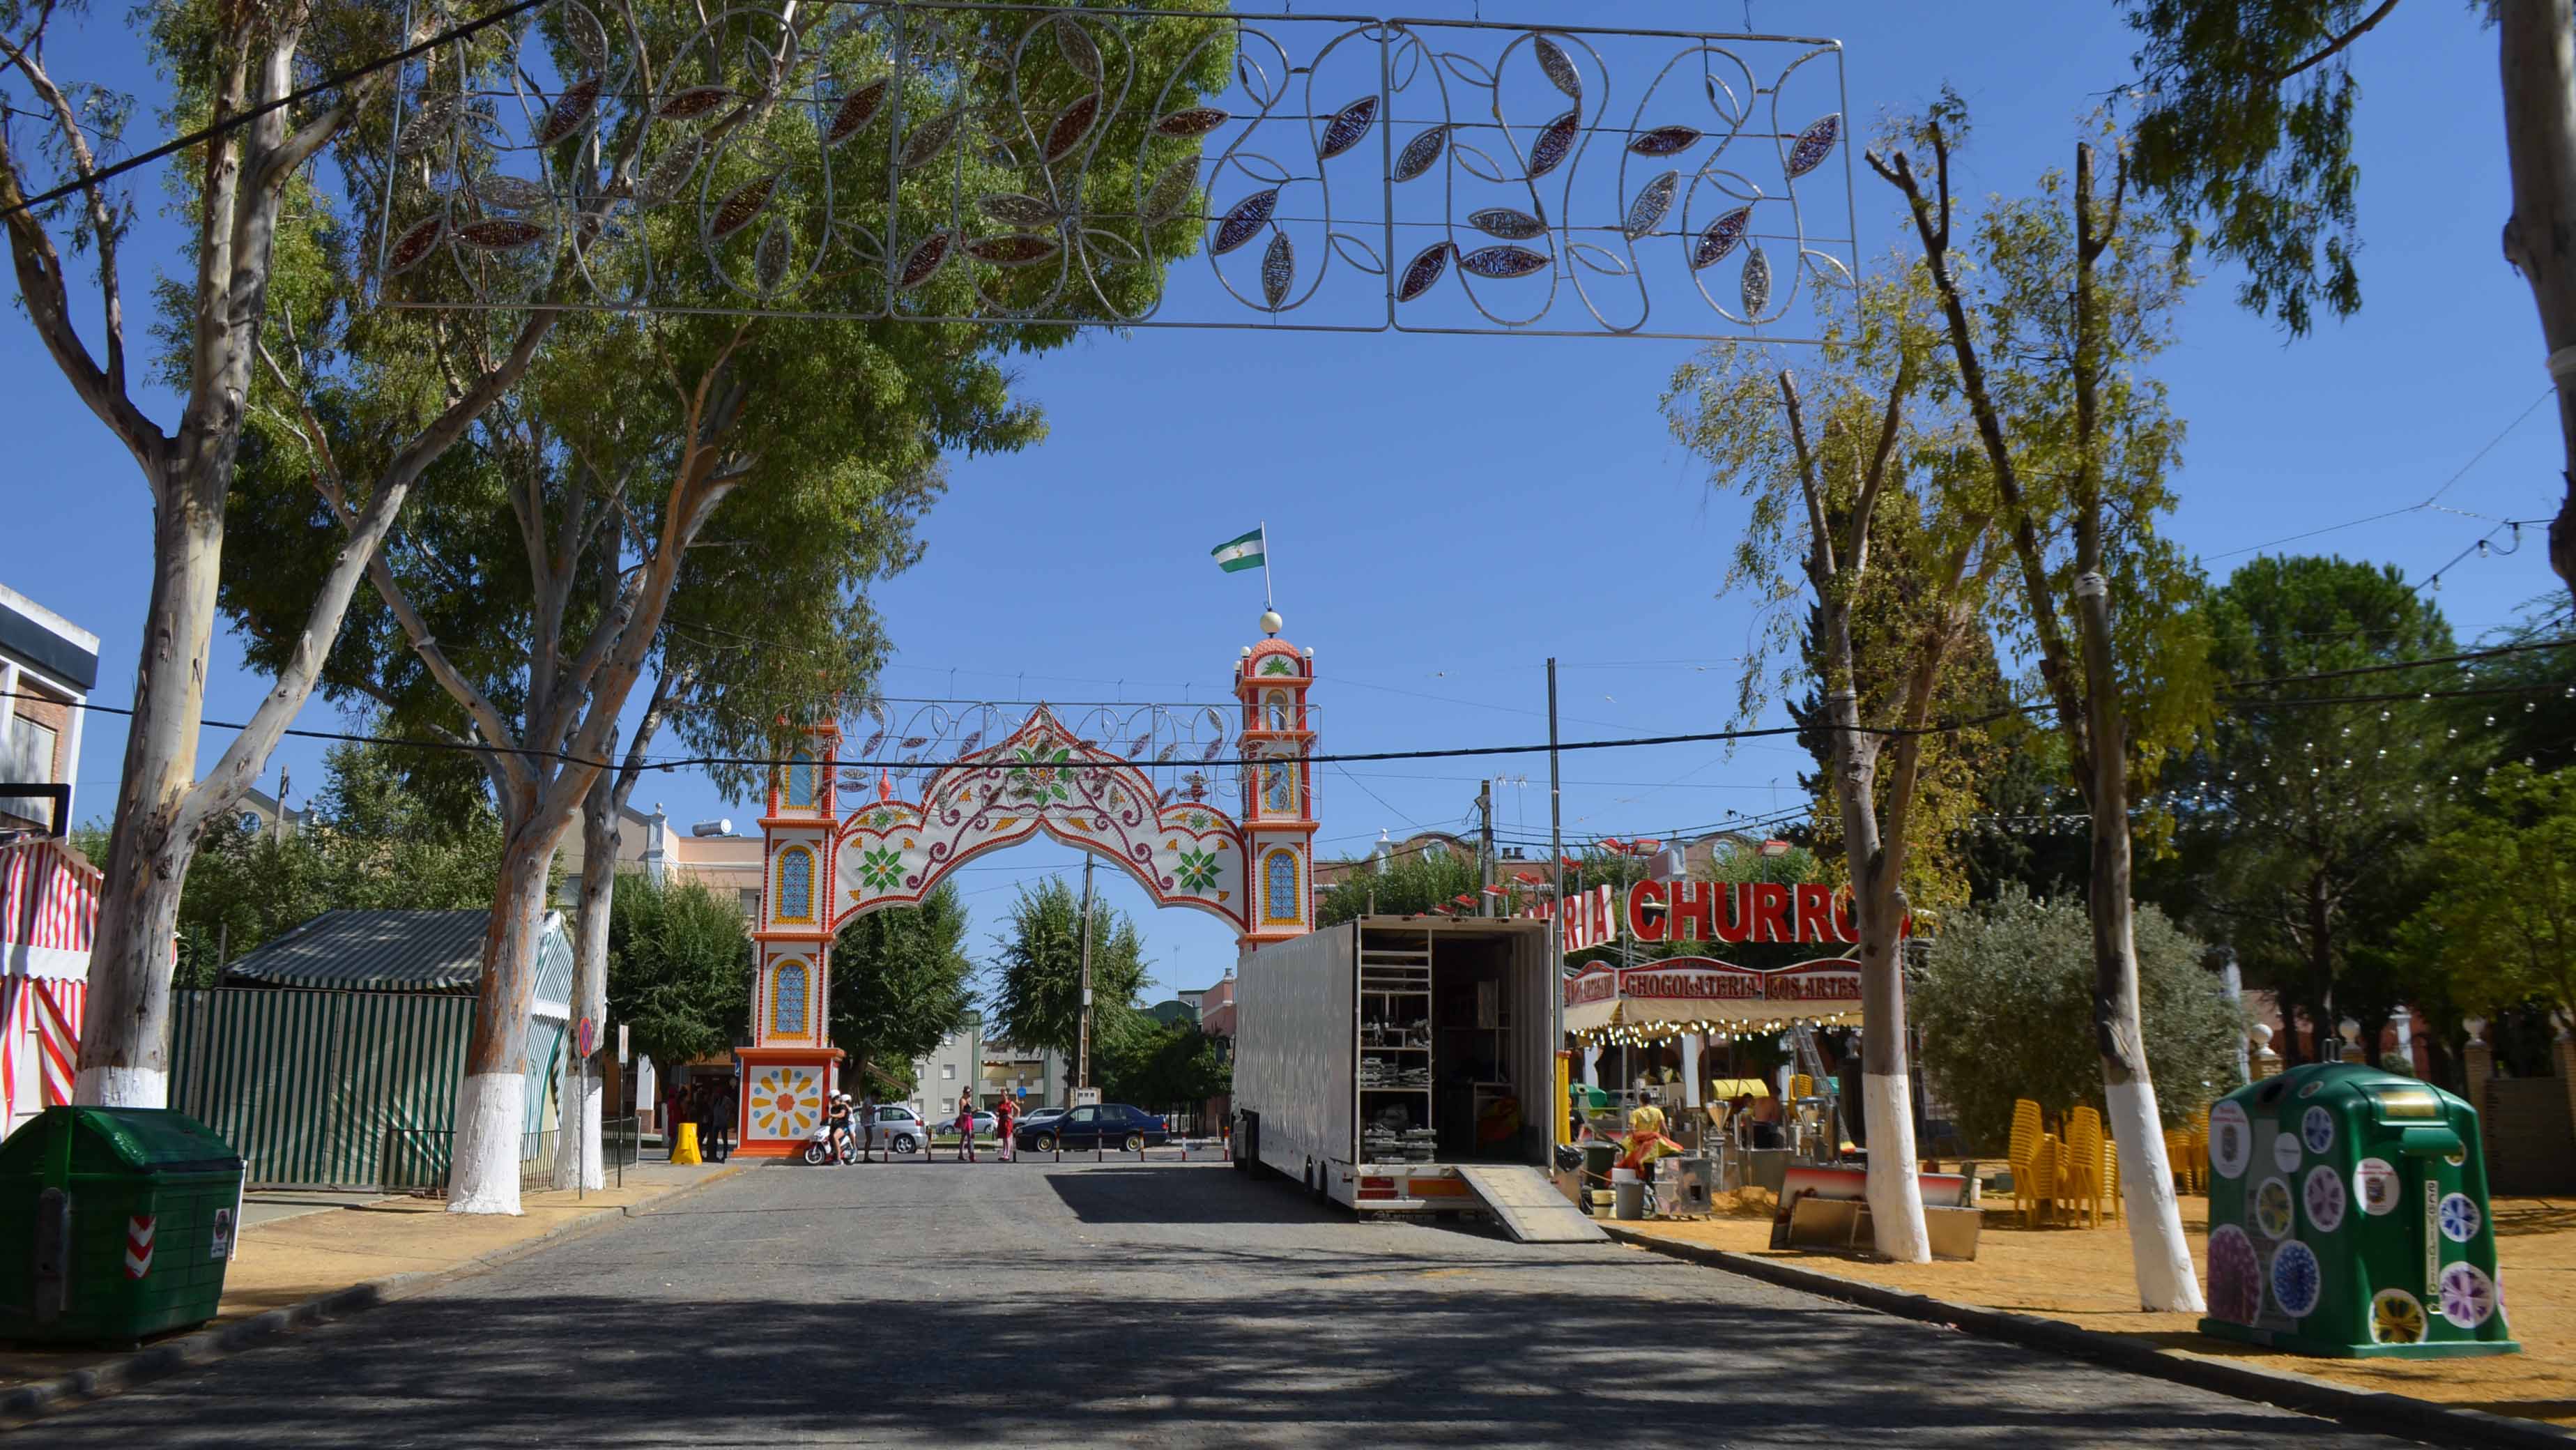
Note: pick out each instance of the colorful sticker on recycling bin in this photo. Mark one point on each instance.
(2468, 1295)
(2235, 1276)
(2231, 1142)
(2285, 1151)
(2272, 1208)
(2296, 1279)
(2375, 1184)
(2316, 1129)
(2396, 1317)
(2325, 1198)
(2460, 1218)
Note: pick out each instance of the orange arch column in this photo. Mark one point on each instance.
(788, 1071)
(1271, 682)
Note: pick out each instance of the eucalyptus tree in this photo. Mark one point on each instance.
(1865, 500)
(762, 404)
(279, 89)
(2072, 298)
(2246, 126)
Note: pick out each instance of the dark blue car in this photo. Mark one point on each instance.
(1115, 1126)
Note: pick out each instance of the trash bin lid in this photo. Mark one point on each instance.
(148, 1142)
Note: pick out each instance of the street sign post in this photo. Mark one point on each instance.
(585, 1037)
(622, 1058)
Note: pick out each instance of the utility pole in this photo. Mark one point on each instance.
(1556, 870)
(1485, 849)
(1082, 1067)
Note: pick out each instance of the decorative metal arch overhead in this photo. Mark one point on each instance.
(962, 161)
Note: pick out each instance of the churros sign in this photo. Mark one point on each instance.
(1681, 985)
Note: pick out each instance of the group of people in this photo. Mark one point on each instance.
(854, 1126)
(708, 1104)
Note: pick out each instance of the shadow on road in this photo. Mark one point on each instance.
(1145, 1194)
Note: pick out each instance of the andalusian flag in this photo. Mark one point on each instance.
(1236, 555)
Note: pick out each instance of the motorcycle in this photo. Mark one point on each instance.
(821, 1149)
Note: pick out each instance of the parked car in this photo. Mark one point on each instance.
(1034, 1116)
(900, 1129)
(1112, 1125)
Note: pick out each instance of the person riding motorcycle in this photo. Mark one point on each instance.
(844, 1141)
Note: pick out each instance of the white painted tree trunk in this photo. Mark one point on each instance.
(2166, 1277)
(577, 1146)
(491, 1110)
(1895, 1193)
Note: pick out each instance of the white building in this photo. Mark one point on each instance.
(48, 665)
(955, 1066)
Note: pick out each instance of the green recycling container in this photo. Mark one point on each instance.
(2348, 1217)
(118, 1223)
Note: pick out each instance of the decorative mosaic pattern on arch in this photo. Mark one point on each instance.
(1282, 904)
(1041, 780)
(795, 885)
(790, 996)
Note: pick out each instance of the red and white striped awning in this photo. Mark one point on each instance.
(48, 917)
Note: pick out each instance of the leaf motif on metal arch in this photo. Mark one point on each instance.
(1665, 141)
(499, 234)
(1167, 752)
(415, 244)
(1559, 66)
(1510, 225)
(1815, 144)
(1111, 245)
(1502, 263)
(1071, 126)
(744, 206)
(1719, 238)
(1245, 222)
(665, 179)
(930, 137)
(1172, 191)
(1425, 269)
(1080, 51)
(1195, 121)
(1653, 200)
(1358, 253)
(1348, 127)
(571, 111)
(1554, 144)
(769, 260)
(1420, 152)
(920, 266)
(1018, 209)
(856, 109)
(1721, 98)
(1599, 259)
(1278, 270)
(693, 103)
(1468, 69)
(512, 193)
(1757, 283)
(428, 126)
(1013, 251)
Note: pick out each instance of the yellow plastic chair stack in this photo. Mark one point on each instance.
(1801, 1086)
(2200, 1151)
(2111, 1178)
(2080, 1176)
(2178, 1157)
(2043, 1181)
(2024, 1143)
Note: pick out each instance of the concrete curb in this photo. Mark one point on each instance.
(205, 1346)
(2377, 1410)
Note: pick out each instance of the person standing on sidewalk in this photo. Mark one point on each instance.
(721, 1105)
(1006, 1119)
(966, 1127)
(867, 1121)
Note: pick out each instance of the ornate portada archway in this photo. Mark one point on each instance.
(832, 852)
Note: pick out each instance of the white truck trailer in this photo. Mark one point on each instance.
(1404, 1065)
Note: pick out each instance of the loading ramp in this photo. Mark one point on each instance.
(1528, 1206)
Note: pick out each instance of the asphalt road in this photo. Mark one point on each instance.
(1011, 1305)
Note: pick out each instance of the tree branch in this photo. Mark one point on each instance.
(2335, 46)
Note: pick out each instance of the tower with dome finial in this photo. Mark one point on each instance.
(1278, 732)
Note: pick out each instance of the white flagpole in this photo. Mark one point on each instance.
(1268, 601)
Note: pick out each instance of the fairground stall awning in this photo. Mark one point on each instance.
(1700, 994)
(48, 915)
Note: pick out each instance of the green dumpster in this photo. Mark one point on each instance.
(2348, 1217)
(118, 1223)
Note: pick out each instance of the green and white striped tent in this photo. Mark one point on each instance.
(331, 1056)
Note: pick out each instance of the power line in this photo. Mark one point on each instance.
(240, 119)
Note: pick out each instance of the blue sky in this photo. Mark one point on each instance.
(1447, 512)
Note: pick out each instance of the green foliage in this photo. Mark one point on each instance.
(1038, 1001)
(2324, 806)
(899, 982)
(1164, 1067)
(2246, 127)
(679, 969)
(1404, 883)
(370, 843)
(2501, 917)
(2006, 1011)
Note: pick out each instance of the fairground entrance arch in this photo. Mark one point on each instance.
(835, 849)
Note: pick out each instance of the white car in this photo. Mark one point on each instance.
(899, 1129)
